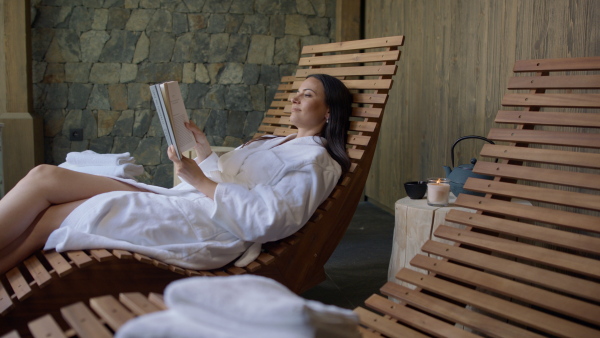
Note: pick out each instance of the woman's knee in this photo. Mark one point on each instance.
(40, 174)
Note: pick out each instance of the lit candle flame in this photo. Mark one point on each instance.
(439, 180)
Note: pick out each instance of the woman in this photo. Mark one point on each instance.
(263, 191)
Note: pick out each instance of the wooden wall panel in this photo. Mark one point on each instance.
(454, 68)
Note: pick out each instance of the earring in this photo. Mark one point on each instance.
(327, 121)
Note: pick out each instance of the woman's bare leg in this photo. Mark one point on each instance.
(47, 185)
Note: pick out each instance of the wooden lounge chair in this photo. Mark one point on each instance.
(48, 281)
(517, 271)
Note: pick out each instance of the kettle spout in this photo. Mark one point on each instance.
(447, 170)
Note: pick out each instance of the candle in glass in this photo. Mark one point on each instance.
(438, 191)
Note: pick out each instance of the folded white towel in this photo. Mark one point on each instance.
(91, 158)
(127, 170)
(240, 306)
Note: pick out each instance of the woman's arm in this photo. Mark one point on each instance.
(189, 171)
(202, 147)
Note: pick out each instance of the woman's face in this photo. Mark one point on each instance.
(309, 110)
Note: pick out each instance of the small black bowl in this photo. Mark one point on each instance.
(415, 189)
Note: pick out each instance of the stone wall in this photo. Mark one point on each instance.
(93, 61)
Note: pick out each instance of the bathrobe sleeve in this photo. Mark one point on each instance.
(265, 212)
(209, 164)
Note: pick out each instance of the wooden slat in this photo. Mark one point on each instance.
(381, 70)
(45, 327)
(392, 55)
(280, 131)
(564, 64)
(280, 104)
(545, 137)
(83, 321)
(37, 271)
(565, 239)
(360, 140)
(138, 303)
(454, 313)
(79, 258)
(366, 112)
(58, 263)
(111, 311)
(18, 283)
(512, 311)
(532, 193)
(549, 118)
(355, 153)
(586, 160)
(533, 213)
(370, 98)
(12, 334)
(531, 295)
(281, 96)
(158, 300)
(363, 126)
(552, 100)
(5, 301)
(568, 178)
(354, 45)
(385, 326)
(569, 262)
(101, 255)
(555, 82)
(359, 84)
(564, 283)
(122, 254)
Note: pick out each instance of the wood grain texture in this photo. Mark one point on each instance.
(456, 62)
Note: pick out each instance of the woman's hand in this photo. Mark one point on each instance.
(202, 147)
(190, 172)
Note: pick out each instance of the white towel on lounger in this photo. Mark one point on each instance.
(91, 158)
(240, 306)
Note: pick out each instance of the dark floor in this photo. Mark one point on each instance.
(358, 267)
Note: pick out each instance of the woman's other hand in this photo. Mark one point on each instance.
(202, 147)
(190, 172)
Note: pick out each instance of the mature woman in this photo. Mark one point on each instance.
(263, 191)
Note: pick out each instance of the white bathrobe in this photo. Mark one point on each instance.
(264, 193)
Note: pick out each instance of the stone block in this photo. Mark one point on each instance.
(233, 23)
(216, 24)
(40, 41)
(106, 121)
(194, 5)
(163, 177)
(99, 98)
(202, 73)
(296, 25)
(92, 43)
(239, 98)
(123, 144)
(159, 72)
(238, 48)
(120, 47)
(105, 73)
(117, 94)
(235, 124)
(64, 47)
(142, 48)
(138, 96)
(255, 24)
(180, 23)
(251, 73)
(257, 93)
(77, 72)
(56, 96)
(215, 97)
(100, 19)
(232, 73)
(139, 19)
(161, 21)
(217, 6)
(241, 7)
(117, 18)
(79, 94)
(102, 145)
(262, 48)
(218, 47)
(54, 73)
(81, 19)
(53, 122)
(124, 124)
(142, 121)
(197, 21)
(148, 151)
(128, 72)
(287, 50)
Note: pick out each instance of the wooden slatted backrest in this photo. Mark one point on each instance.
(544, 256)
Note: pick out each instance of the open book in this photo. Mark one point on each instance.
(171, 111)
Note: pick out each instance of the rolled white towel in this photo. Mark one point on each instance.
(92, 158)
(127, 170)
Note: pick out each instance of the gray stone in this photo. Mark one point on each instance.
(124, 125)
(161, 47)
(305, 7)
(138, 96)
(117, 18)
(117, 94)
(242, 7)
(77, 72)
(251, 73)
(261, 49)
(296, 25)
(253, 120)
(170, 5)
(99, 98)
(255, 24)
(56, 96)
(231, 141)
(100, 19)
(123, 144)
(287, 69)
(139, 19)
(200, 117)
(120, 47)
(164, 156)
(287, 50)
(143, 119)
(113, 3)
(106, 121)
(105, 73)
(217, 6)
(214, 71)
(51, 17)
(180, 23)
(289, 7)
(216, 125)
(215, 98)
(270, 94)
(61, 146)
(192, 47)
(161, 21)
(318, 26)
(163, 177)
(159, 72)
(64, 47)
(132, 3)
(39, 94)
(232, 73)
(155, 126)
(53, 122)
(92, 43)
(128, 72)
(101, 145)
(238, 48)
(196, 94)
(79, 94)
(269, 75)
(189, 73)
(320, 7)
(216, 23)
(239, 98)
(202, 73)
(314, 40)
(267, 6)
(235, 123)
(182, 51)
(277, 25)
(81, 19)
(81, 119)
(197, 22)
(38, 69)
(142, 48)
(40, 42)
(55, 73)
(148, 151)
(194, 5)
(218, 47)
(90, 3)
(149, 4)
(233, 22)
(79, 146)
(258, 97)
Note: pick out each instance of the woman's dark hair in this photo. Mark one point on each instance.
(339, 100)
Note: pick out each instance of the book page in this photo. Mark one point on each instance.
(184, 138)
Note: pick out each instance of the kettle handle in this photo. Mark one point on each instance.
(464, 138)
